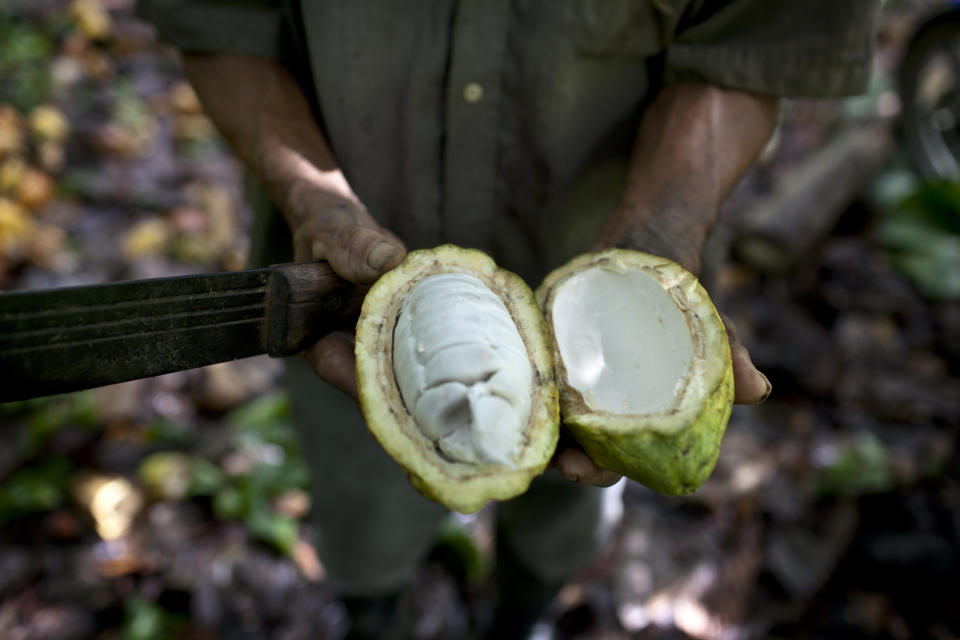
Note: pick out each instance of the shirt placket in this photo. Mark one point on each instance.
(473, 100)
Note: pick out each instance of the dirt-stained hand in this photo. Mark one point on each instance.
(359, 251)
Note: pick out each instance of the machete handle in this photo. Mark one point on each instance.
(306, 302)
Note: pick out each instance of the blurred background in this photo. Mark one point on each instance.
(175, 506)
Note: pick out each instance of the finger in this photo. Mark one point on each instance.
(750, 385)
(333, 359)
(576, 466)
(358, 254)
(347, 237)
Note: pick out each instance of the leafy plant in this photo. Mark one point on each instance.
(24, 79)
(265, 439)
(861, 467)
(146, 620)
(921, 234)
(36, 488)
(45, 416)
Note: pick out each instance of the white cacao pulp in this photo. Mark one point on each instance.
(624, 342)
(463, 370)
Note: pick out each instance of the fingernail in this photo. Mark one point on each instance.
(316, 251)
(572, 477)
(766, 394)
(380, 255)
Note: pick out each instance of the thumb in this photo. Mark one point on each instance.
(750, 385)
(357, 249)
(359, 254)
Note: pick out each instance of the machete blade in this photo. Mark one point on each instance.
(60, 340)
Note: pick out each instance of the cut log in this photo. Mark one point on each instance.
(780, 229)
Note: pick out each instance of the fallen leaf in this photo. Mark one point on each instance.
(218, 204)
(11, 130)
(112, 501)
(48, 123)
(117, 140)
(228, 385)
(16, 225)
(166, 475)
(150, 237)
(305, 557)
(120, 402)
(91, 18)
(36, 189)
(12, 172)
(294, 503)
(97, 64)
(51, 156)
(192, 127)
(46, 245)
(184, 99)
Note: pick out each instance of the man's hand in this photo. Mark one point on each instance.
(263, 113)
(359, 251)
(694, 144)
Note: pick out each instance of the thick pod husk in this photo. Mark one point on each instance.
(672, 451)
(460, 486)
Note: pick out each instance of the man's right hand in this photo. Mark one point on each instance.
(359, 251)
(261, 110)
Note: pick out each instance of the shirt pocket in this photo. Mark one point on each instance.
(625, 28)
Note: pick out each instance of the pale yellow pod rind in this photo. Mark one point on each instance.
(462, 487)
(672, 451)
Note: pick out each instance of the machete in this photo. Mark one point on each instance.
(59, 340)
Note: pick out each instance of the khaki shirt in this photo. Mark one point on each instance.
(507, 124)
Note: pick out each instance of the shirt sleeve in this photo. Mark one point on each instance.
(814, 48)
(242, 27)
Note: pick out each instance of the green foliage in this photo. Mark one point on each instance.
(45, 416)
(265, 439)
(25, 48)
(146, 620)
(861, 467)
(920, 231)
(265, 436)
(167, 432)
(36, 488)
(476, 564)
(129, 109)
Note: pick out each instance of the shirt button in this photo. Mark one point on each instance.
(473, 92)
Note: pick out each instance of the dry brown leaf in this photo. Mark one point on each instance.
(120, 140)
(193, 126)
(227, 385)
(74, 44)
(120, 402)
(97, 64)
(184, 99)
(45, 245)
(305, 557)
(219, 206)
(11, 130)
(51, 156)
(36, 189)
(294, 503)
